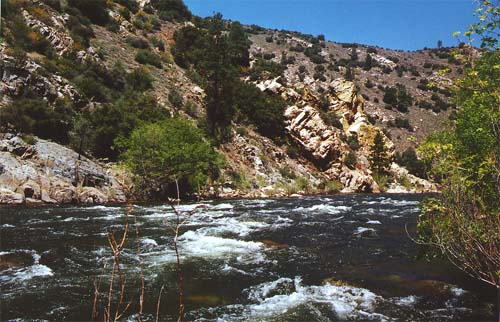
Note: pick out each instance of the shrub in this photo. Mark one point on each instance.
(265, 69)
(268, 56)
(319, 76)
(54, 4)
(95, 10)
(425, 104)
(287, 172)
(35, 116)
(263, 110)
(113, 25)
(160, 154)
(175, 98)
(317, 59)
(298, 48)
(331, 118)
(139, 79)
(350, 160)
(145, 56)
(131, 5)
(269, 39)
(138, 42)
(330, 186)
(412, 163)
(398, 97)
(402, 123)
(172, 10)
(115, 122)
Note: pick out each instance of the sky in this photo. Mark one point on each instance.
(395, 24)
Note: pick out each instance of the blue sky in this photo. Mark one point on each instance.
(396, 24)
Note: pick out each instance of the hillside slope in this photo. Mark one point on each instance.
(339, 96)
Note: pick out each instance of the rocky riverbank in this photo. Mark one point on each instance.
(45, 172)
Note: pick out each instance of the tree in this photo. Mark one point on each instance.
(36, 116)
(464, 221)
(412, 163)
(379, 156)
(368, 62)
(217, 53)
(398, 97)
(170, 10)
(170, 152)
(95, 10)
(349, 73)
(440, 44)
(81, 135)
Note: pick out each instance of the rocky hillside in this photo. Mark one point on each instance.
(339, 97)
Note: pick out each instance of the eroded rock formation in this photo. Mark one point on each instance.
(46, 172)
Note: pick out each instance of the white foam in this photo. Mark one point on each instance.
(410, 300)
(149, 242)
(224, 206)
(345, 301)
(323, 208)
(232, 225)
(373, 222)
(76, 219)
(361, 230)
(8, 226)
(230, 269)
(30, 272)
(160, 257)
(456, 291)
(198, 244)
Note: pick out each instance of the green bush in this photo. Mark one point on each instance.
(398, 97)
(353, 142)
(35, 116)
(263, 110)
(95, 10)
(288, 173)
(175, 98)
(145, 56)
(172, 10)
(263, 69)
(114, 122)
(412, 163)
(131, 5)
(139, 79)
(350, 160)
(138, 42)
(173, 150)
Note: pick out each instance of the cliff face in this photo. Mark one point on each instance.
(330, 121)
(46, 172)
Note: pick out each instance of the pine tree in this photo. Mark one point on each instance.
(379, 156)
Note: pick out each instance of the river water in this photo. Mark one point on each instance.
(344, 257)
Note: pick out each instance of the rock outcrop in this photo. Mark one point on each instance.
(46, 172)
(309, 130)
(25, 75)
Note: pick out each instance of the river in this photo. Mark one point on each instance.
(328, 258)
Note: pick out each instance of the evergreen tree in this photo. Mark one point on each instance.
(379, 156)
(368, 62)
